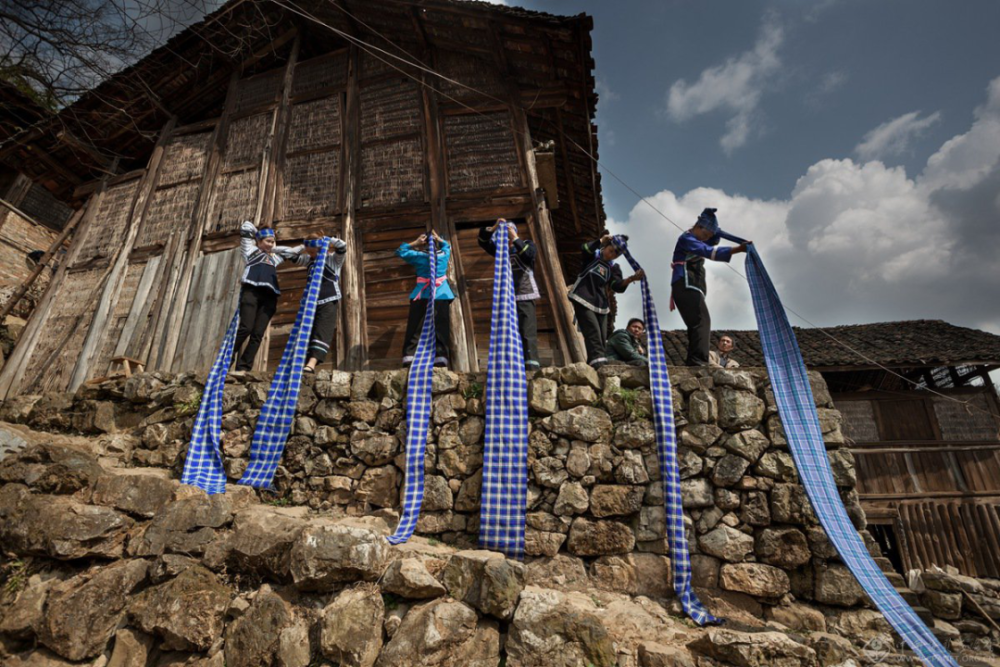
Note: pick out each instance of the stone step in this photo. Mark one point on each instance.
(908, 595)
(885, 564)
(896, 579)
(924, 613)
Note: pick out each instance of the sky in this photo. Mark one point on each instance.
(856, 143)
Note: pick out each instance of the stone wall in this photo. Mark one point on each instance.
(594, 481)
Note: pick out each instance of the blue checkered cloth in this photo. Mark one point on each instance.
(666, 450)
(203, 466)
(276, 416)
(505, 456)
(418, 415)
(794, 397)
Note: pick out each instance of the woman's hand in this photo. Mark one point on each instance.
(421, 240)
(741, 247)
(606, 239)
(435, 235)
(638, 275)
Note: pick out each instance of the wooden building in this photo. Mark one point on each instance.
(927, 455)
(313, 116)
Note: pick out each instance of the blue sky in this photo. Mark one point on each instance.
(858, 143)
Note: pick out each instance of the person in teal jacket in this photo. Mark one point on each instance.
(626, 344)
(415, 254)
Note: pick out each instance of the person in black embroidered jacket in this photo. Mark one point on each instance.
(522, 264)
(328, 304)
(259, 289)
(589, 293)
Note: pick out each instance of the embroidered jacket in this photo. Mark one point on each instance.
(329, 288)
(688, 265)
(522, 263)
(261, 269)
(596, 275)
(420, 260)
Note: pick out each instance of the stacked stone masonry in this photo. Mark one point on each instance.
(309, 565)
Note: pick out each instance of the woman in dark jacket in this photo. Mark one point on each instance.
(589, 293)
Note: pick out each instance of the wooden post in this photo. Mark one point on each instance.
(15, 367)
(463, 339)
(94, 341)
(42, 263)
(274, 153)
(168, 347)
(355, 320)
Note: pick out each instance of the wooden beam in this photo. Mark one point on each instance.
(275, 159)
(568, 171)
(42, 263)
(355, 319)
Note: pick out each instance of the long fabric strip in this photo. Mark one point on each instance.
(505, 456)
(794, 397)
(276, 416)
(418, 414)
(203, 466)
(666, 449)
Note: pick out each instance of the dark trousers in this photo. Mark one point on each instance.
(257, 306)
(324, 326)
(694, 311)
(415, 324)
(594, 327)
(527, 325)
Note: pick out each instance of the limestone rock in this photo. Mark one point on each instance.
(652, 654)
(562, 572)
(696, 493)
(571, 396)
(739, 409)
(777, 465)
(336, 385)
(600, 538)
(486, 580)
(469, 493)
(572, 499)
(705, 571)
(59, 527)
(744, 649)
(442, 633)
(635, 434)
(943, 605)
(51, 468)
(409, 578)
(748, 444)
(254, 638)
(790, 504)
(549, 471)
(703, 408)
(132, 649)
(375, 449)
(187, 612)
(580, 374)
(653, 576)
(615, 500)
(553, 628)
(262, 540)
(351, 627)
(82, 613)
(631, 469)
(837, 586)
(614, 573)
(185, 526)
(581, 423)
(797, 617)
(327, 554)
(729, 469)
(543, 396)
(723, 377)
(754, 579)
(19, 618)
(726, 543)
(542, 543)
(831, 650)
(786, 548)
(137, 492)
(842, 465)
(437, 494)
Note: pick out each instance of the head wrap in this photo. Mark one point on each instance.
(620, 242)
(265, 232)
(708, 220)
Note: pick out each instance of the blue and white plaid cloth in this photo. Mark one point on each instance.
(794, 397)
(505, 456)
(276, 416)
(666, 449)
(418, 415)
(203, 466)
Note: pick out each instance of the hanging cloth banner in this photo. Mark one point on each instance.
(666, 450)
(418, 412)
(794, 397)
(276, 416)
(203, 466)
(505, 457)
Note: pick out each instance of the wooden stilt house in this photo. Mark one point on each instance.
(313, 116)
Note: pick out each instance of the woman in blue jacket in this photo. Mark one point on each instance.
(415, 254)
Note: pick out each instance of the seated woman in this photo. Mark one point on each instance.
(415, 254)
(625, 345)
(589, 292)
(328, 304)
(259, 289)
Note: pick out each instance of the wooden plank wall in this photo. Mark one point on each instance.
(279, 153)
(961, 533)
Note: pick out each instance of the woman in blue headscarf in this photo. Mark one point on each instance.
(589, 293)
(688, 286)
(415, 254)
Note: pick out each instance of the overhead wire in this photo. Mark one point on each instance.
(371, 49)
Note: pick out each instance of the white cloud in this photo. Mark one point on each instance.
(828, 84)
(735, 86)
(854, 241)
(894, 137)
